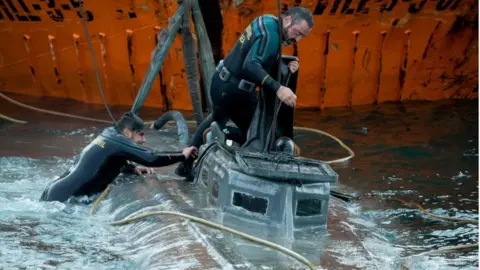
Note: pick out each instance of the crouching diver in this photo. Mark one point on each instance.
(107, 156)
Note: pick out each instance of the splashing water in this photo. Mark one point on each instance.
(412, 155)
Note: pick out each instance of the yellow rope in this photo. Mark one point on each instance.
(12, 119)
(435, 215)
(445, 249)
(350, 151)
(223, 228)
(57, 113)
(440, 250)
(97, 201)
(52, 112)
(204, 222)
(352, 154)
(196, 219)
(220, 227)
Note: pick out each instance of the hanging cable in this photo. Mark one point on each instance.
(278, 102)
(94, 60)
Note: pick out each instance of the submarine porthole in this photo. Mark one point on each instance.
(309, 207)
(250, 203)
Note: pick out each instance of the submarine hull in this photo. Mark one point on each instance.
(294, 202)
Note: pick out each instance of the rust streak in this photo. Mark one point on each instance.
(103, 50)
(430, 40)
(26, 39)
(52, 43)
(167, 104)
(466, 52)
(352, 70)
(323, 88)
(380, 66)
(131, 60)
(403, 68)
(366, 59)
(76, 42)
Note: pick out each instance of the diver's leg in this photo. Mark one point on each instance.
(197, 138)
(184, 168)
(216, 92)
(59, 190)
(44, 196)
(241, 112)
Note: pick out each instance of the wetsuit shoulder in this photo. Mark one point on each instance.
(127, 149)
(91, 172)
(271, 24)
(264, 52)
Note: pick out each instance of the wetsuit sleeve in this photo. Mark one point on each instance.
(150, 158)
(265, 46)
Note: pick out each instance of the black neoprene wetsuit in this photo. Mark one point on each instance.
(253, 58)
(101, 162)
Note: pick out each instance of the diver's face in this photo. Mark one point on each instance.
(138, 137)
(294, 32)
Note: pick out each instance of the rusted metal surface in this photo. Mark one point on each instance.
(359, 52)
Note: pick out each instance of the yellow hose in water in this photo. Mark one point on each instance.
(97, 201)
(222, 228)
(12, 119)
(350, 151)
(196, 219)
(435, 215)
(440, 250)
(207, 223)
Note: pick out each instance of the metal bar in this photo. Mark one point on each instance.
(165, 41)
(191, 63)
(207, 63)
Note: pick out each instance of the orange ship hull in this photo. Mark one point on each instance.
(360, 52)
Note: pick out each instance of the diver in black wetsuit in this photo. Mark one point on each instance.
(252, 62)
(107, 156)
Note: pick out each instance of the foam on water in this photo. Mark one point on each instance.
(377, 233)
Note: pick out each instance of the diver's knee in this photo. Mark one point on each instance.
(44, 197)
(51, 193)
(285, 144)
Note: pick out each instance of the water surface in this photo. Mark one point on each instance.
(420, 152)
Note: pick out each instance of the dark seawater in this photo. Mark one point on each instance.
(422, 152)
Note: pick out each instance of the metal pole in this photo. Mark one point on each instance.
(165, 41)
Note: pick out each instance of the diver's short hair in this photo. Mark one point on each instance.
(299, 13)
(131, 121)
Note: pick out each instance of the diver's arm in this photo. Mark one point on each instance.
(150, 158)
(264, 47)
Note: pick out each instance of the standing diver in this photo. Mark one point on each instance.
(249, 64)
(107, 156)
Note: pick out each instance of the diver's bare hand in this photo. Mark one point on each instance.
(286, 95)
(190, 152)
(293, 66)
(141, 170)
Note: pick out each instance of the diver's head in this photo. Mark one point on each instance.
(297, 23)
(131, 126)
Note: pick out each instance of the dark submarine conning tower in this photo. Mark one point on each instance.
(272, 187)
